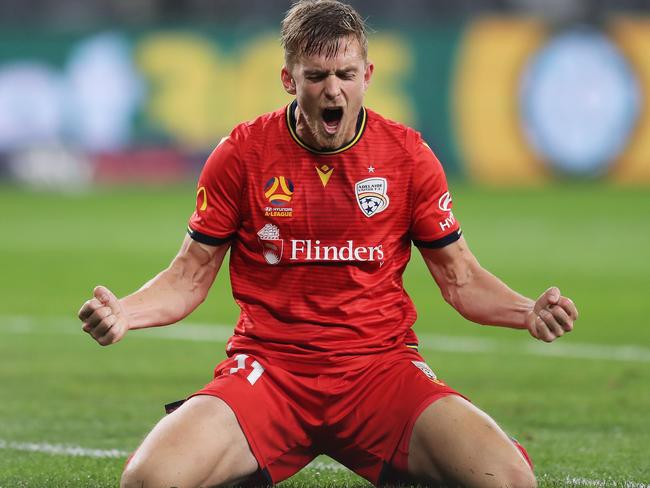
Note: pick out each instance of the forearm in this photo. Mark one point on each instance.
(483, 298)
(161, 301)
(474, 292)
(175, 292)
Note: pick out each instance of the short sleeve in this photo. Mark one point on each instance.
(217, 214)
(433, 223)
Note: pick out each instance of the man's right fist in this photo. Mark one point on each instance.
(103, 317)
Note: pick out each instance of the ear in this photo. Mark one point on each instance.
(287, 81)
(370, 68)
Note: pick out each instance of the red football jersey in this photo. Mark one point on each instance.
(320, 239)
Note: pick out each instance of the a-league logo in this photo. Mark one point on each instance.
(279, 191)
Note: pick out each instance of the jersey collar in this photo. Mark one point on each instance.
(291, 125)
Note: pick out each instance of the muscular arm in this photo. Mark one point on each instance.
(483, 298)
(176, 291)
(167, 298)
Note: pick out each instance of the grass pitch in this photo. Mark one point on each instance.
(581, 406)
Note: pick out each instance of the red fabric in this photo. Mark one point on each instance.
(318, 281)
(523, 452)
(363, 418)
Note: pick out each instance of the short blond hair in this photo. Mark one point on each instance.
(315, 27)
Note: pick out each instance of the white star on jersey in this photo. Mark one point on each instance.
(371, 169)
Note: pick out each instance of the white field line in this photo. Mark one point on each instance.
(77, 451)
(61, 449)
(603, 483)
(191, 331)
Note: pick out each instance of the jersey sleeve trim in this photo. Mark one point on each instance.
(439, 243)
(206, 239)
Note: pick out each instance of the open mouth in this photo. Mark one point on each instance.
(332, 119)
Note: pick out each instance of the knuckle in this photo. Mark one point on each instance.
(99, 315)
(100, 330)
(84, 310)
(560, 321)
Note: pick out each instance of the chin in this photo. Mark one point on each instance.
(330, 142)
(326, 141)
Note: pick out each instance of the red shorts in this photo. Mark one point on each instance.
(363, 418)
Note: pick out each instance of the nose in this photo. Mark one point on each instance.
(332, 87)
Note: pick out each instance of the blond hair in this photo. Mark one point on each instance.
(315, 27)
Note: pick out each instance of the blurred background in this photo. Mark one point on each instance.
(507, 92)
(538, 109)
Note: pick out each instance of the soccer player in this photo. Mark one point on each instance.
(319, 203)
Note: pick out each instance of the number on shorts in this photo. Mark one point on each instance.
(254, 375)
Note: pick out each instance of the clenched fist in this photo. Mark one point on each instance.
(103, 317)
(552, 316)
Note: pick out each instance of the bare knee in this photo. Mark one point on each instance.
(132, 478)
(519, 476)
(199, 444)
(157, 476)
(454, 441)
(143, 476)
(135, 478)
(146, 470)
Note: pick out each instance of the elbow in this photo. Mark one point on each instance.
(465, 306)
(453, 298)
(193, 299)
(460, 286)
(200, 296)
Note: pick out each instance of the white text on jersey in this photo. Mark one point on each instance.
(308, 250)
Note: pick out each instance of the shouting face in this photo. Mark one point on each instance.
(329, 91)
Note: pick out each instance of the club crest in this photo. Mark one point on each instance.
(272, 245)
(424, 367)
(372, 195)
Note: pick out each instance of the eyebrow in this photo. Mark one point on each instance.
(317, 71)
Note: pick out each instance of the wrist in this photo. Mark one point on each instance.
(125, 314)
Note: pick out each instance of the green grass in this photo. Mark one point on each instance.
(579, 418)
